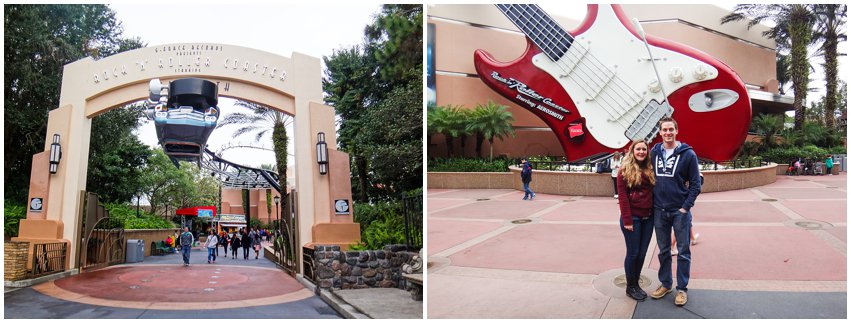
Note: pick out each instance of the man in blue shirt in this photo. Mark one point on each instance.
(677, 186)
(186, 239)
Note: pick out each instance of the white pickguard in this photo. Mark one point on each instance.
(608, 75)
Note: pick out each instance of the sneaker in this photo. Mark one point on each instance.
(681, 298)
(694, 242)
(616, 196)
(674, 252)
(660, 292)
(208, 261)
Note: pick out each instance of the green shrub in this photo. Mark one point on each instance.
(839, 150)
(12, 215)
(127, 214)
(382, 223)
(784, 155)
(468, 165)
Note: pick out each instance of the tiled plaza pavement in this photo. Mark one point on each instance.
(775, 251)
(161, 287)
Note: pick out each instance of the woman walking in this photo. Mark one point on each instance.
(224, 239)
(234, 244)
(635, 182)
(256, 244)
(212, 246)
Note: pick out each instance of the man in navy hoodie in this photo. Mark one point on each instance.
(677, 186)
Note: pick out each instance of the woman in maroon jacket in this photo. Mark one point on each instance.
(635, 196)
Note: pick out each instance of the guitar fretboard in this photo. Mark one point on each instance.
(539, 27)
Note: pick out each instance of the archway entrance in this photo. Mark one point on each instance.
(89, 88)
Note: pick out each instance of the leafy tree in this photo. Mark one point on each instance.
(492, 121)
(365, 85)
(793, 32)
(170, 188)
(830, 25)
(116, 156)
(38, 41)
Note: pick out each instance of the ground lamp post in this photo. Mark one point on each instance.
(277, 215)
(55, 154)
(322, 154)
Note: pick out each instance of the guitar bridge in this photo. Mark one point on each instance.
(646, 125)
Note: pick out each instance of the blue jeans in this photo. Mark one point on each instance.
(211, 254)
(637, 242)
(681, 224)
(185, 251)
(529, 192)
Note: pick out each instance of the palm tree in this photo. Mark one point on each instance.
(447, 120)
(768, 125)
(263, 120)
(491, 121)
(829, 30)
(793, 32)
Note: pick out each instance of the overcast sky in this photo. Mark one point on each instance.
(312, 29)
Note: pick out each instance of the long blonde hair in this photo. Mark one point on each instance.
(632, 169)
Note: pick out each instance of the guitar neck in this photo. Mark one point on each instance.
(539, 27)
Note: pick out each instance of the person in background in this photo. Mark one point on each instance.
(212, 245)
(526, 178)
(186, 239)
(615, 165)
(235, 243)
(246, 243)
(829, 164)
(255, 242)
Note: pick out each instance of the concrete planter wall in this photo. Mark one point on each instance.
(592, 184)
(149, 235)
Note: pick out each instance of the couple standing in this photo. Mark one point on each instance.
(656, 190)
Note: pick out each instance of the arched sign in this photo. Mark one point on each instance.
(91, 87)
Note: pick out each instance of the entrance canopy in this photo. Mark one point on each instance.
(199, 211)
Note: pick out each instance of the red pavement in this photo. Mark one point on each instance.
(575, 243)
(175, 283)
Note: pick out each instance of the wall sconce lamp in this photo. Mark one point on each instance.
(55, 154)
(322, 154)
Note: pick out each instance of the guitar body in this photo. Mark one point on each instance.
(604, 87)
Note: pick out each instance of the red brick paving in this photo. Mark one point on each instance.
(170, 283)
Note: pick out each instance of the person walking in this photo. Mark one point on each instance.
(225, 240)
(255, 242)
(246, 244)
(212, 245)
(526, 178)
(675, 164)
(186, 239)
(235, 243)
(828, 163)
(615, 164)
(635, 184)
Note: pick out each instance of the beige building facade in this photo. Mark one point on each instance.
(459, 30)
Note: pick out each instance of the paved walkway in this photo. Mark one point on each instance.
(775, 251)
(161, 287)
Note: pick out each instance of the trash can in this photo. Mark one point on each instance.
(135, 251)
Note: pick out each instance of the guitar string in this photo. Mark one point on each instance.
(541, 15)
(583, 83)
(572, 54)
(592, 59)
(630, 112)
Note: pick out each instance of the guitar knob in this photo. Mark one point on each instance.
(700, 72)
(676, 75)
(654, 86)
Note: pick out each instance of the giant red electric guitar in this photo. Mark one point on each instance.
(598, 88)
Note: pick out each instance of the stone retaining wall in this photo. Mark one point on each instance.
(592, 184)
(360, 269)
